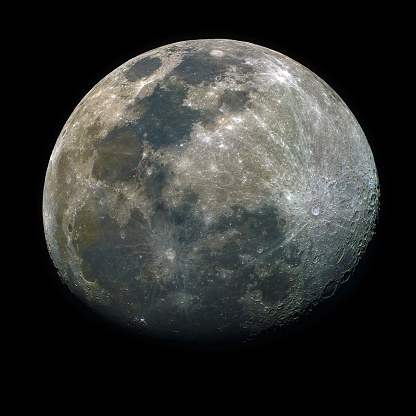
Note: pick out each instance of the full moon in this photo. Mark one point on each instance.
(209, 191)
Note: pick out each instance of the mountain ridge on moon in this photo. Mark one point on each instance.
(209, 190)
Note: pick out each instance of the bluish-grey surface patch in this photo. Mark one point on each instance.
(234, 101)
(203, 67)
(166, 120)
(143, 68)
(118, 155)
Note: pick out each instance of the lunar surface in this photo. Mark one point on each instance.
(209, 191)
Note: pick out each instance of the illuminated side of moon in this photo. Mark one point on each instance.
(209, 190)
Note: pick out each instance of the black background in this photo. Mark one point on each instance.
(64, 53)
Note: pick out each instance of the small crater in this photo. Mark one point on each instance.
(216, 52)
(315, 211)
(330, 289)
(170, 254)
(70, 228)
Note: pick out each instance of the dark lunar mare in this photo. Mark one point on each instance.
(204, 67)
(143, 68)
(125, 263)
(119, 153)
(166, 121)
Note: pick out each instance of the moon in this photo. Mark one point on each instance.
(209, 191)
